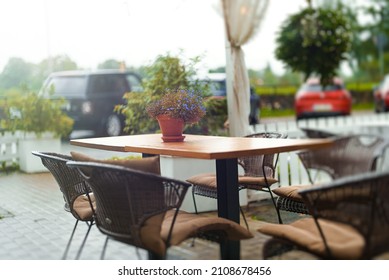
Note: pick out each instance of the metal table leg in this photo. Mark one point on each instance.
(228, 202)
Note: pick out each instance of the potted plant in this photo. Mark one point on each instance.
(171, 72)
(174, 109)
(39, 123)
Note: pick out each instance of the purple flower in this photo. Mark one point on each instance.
(180, 103)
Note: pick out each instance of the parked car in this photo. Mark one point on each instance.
(92, 96)
(381, 96)
(217, 84)
(312, 100)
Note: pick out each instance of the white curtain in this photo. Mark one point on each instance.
(242, 19)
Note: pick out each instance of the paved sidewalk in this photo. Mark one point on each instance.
(35, 227)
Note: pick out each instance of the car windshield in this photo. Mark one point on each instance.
(219, 87)
(102, 84)
(317, 87)
(66, 86)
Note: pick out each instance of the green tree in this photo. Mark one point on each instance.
(376, 39)
(25, 76)
(16, 73)
(314, 42)
(110, 64)
(49, 65)
(268, 76)
(289, 78)
(357, 52)
(221, 69)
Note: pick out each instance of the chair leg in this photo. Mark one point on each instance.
(90, 224)
(104, 249)
(275, 206)
(153, 256)
(195, 207)
(194, 200)
(70, 241)
(244, 217)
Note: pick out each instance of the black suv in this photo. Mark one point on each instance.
(92, 96)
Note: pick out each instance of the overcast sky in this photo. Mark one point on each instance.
(136, 31)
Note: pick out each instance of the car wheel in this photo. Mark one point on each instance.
(113, 126)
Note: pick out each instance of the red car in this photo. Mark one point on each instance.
(381, 96)
(312, 100)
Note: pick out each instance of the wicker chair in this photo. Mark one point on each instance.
(259, 174)
(349, 220)
(142, 209)
(316, 133)
(348, 155)
(75, 191)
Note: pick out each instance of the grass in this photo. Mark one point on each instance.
(6, 168)
(269, 113)
(363, 106)
(292, 89)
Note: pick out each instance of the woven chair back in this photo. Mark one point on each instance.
(315, 133)
(126, 198)
(69, 180)
(360, 201)
(348, 155)
(261, 165)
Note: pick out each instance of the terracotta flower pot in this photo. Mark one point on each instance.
(171, 128)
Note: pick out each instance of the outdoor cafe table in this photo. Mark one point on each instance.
(224, 150)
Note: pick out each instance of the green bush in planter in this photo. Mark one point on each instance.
(34, 113)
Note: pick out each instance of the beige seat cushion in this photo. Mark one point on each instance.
(205, 179)
(186, 225)
(81, 207)
(209, 180)
(291, 192)
(150, 234)
(149, 164)
(256, 182)
(344, 241)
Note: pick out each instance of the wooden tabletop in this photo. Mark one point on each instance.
(200, 146)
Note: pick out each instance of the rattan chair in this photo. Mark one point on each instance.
(316, 133)
(75, 191)
(142, 209)
(349, 155)
(259, 174)
(350, 220)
